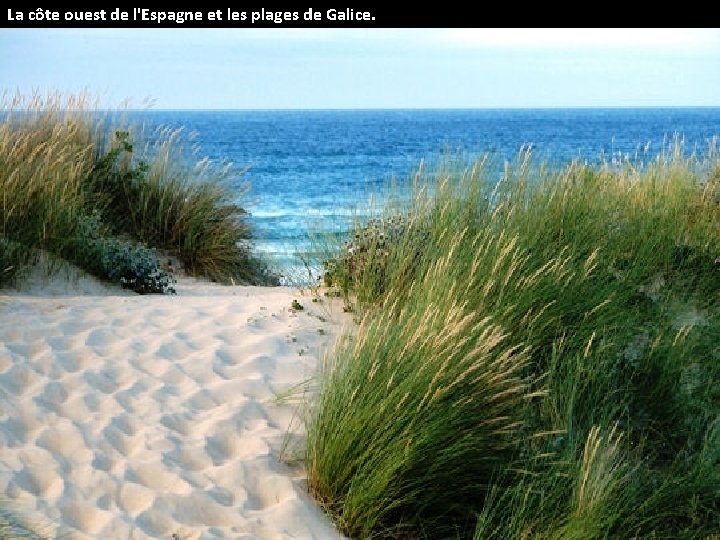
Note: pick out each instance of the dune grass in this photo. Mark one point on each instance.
(75, 184)
(537, 358)
(14, 525)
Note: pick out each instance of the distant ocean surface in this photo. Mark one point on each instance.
(311, 168)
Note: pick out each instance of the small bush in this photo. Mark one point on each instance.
(134, 267)
(119, 261)
(363, 262)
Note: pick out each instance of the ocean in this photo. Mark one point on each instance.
(314, 169)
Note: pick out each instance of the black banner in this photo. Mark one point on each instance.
(252, 17)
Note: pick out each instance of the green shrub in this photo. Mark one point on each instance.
(117, 260)
(134, 267)
(364, 259)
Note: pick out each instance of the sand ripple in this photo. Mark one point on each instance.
(137, 417)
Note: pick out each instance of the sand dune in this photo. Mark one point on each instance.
(125, 416)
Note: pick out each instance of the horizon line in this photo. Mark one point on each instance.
(383, 109)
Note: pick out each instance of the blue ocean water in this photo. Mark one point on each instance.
(310, 167)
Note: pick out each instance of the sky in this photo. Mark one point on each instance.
(370, 68)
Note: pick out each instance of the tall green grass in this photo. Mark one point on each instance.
(65, 168)
(537, 358)
(45, 154)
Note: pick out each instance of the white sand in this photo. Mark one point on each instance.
(126, 416)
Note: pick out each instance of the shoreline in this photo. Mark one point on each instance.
(145, 416)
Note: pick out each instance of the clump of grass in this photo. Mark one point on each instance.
(11, 528)
(45, 153)
(181, 206)
(425, 403)
(567, 320)
(17, 524)
(61, 164)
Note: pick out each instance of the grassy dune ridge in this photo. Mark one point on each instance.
(536, 358)
(84, 187)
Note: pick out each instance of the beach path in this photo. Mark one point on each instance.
(128, 416)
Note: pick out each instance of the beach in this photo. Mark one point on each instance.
(305, 282)
(128, 416)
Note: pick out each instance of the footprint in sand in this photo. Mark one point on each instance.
(132, 398)
(101, 338)
(64, 343)
(202, 400)
(174, 350)
(187, 459)
(180, 423)
(65, 441)
(87, 518)
(156, 477)
(104, 502)
(125, 444)
(18, 379)
(18, 430)
(52, 395)
(134, 498)
(228, 392)
(129, 425)
(102, 462)
(156, 523)
(40, 480)
(101, 381)
(259, 424)
(226, 445)
(223, 371)
(140, 346)
(73, 361)
(253, 387)
(222, 446)
(99, 404)
(274, 489)
(232, 355)
(224, 496)
(75, 326)
(200, 508)
(29, 349)
(232, 338)
(47, 366)
(180, 381)
(262, 363)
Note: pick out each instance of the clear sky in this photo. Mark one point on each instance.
(375, 68)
